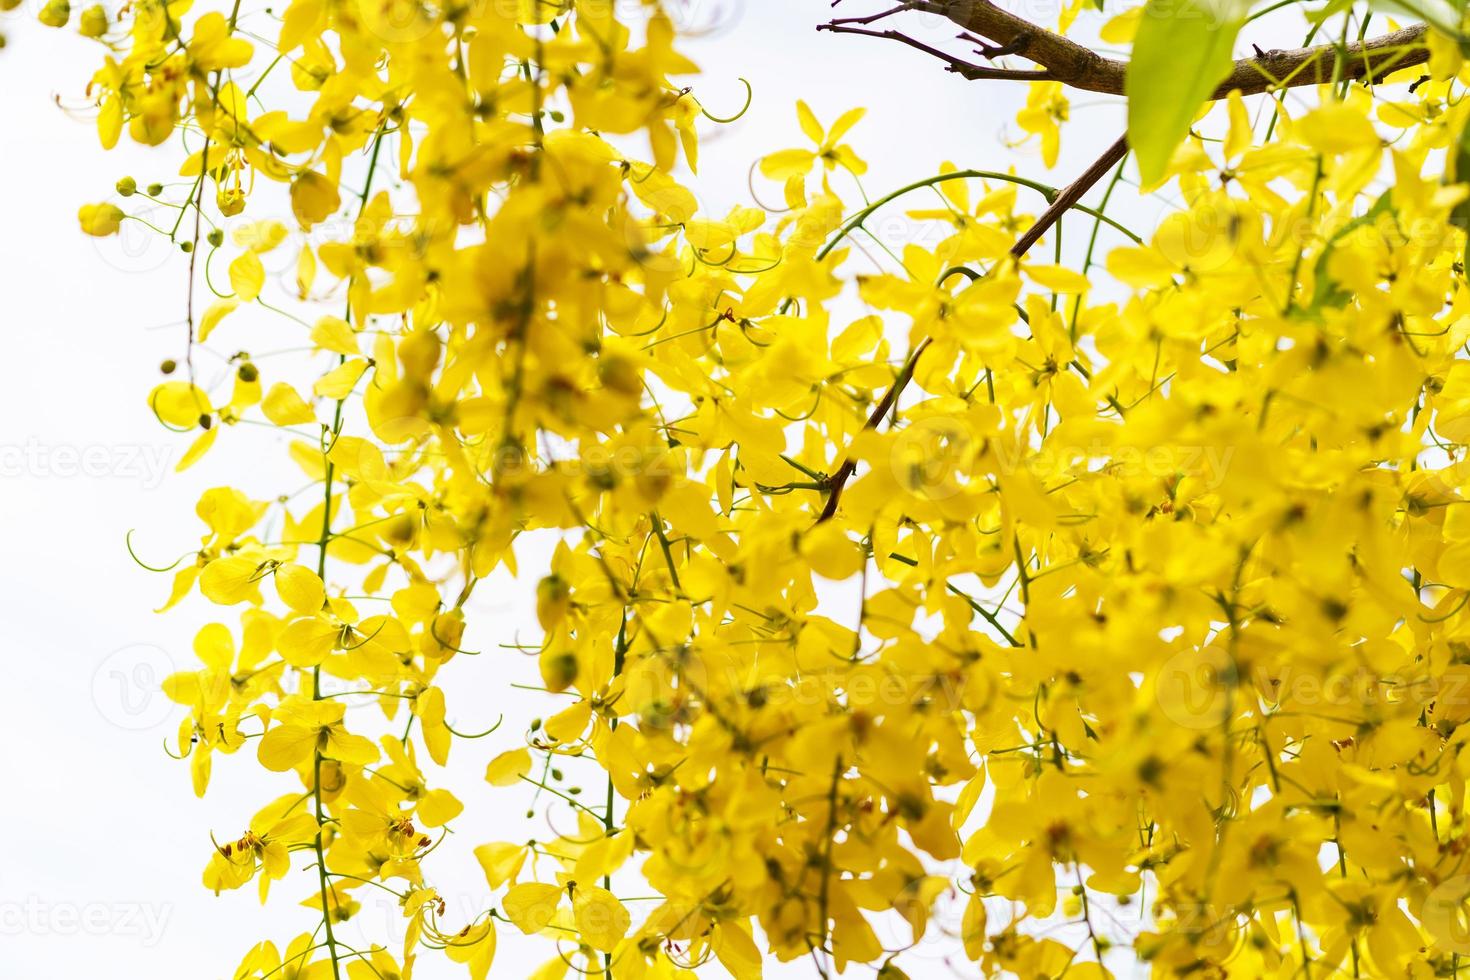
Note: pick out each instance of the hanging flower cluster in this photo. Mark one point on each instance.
(1129, 593)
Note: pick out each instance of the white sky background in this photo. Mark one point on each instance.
(102, 841)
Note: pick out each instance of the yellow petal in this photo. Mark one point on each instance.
(305, 271)
(501, 861)
(338, 383)
(787, 163)
(567, 725)
(307, 642)
(600, 917)
(283, 406)
(531, 905)
(230, 580)
(313, 198)
(808, 120)
(437, 807)
(1059, 279)
(216, 312)
(285, 747)
(507, 768)
(335, 334)
(179, 403)
(197, 449)
(259, 236)
(247, 276)
(300, 588)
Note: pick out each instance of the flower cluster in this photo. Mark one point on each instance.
(1045, 588)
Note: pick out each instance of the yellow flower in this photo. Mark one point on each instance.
(302, 727)
(264, 848)
(1046, 109)
(785, 164)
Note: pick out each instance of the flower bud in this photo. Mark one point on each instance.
(248, 373)
(230, 201)
(94, 21)
(216, 238)
(168, 366)
(127, 187)
(56, 13)
(155, 189)
(100, 220)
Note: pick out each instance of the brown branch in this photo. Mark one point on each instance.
(874, 18)
(959, 66)
(1070, 195)
(849, 465)
(1064, 60)
(1065, 198)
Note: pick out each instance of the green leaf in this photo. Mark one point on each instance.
(1182, 52)
(1458, 172)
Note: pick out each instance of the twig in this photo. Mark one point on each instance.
(958, 66)
(1064, 60)
(1071, 194)
(1066, 198)
(873, 18)
(840, 478)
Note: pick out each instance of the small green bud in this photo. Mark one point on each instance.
(127, 187)
(168, 366)
(186, 247)
(215, 238)
(155, 189)
(248, 373)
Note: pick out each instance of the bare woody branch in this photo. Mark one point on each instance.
(1065, 198)
(1064, 60)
